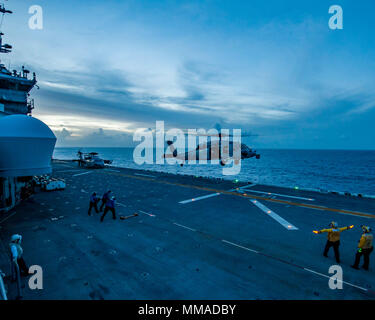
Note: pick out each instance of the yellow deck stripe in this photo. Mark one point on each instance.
(245, 195)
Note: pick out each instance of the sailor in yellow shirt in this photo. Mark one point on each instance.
(333, 239)
(364, 248)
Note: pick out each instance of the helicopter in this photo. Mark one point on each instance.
(91, 160)
(214, 149)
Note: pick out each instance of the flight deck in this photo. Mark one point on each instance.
(193, 238)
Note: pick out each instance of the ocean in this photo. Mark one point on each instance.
(335, 170)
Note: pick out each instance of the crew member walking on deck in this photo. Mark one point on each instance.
(17, 254)
(93, 203)
(105, 198)
(109, 206)
(333, 239)
(364, 248)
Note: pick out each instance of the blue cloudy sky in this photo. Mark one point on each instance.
(106, 68)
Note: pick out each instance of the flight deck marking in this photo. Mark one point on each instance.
(295, 265)
(237, 245)
(319, 209)
(277, 194)
(200, 198)
(112, 170)
(244, 195)
(270, 256)
(325, 276)
(144, 175)
(275, 216)
(80, 174)
(149, 214)
(185, 227)
(261, 253)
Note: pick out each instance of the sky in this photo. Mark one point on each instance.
(273, 68)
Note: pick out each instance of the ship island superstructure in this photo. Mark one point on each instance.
(14, 85)
(26, 143)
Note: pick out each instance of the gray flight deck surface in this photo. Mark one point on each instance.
(219, 247)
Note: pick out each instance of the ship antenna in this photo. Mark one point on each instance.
(4, 48)
(3, 11)
(2, 20)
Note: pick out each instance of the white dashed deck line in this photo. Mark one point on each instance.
(344, 282)
(144, 175)
(81, 174)
(200, 198)
(146, 213)
(185, 227)
(306, 269)
(274, 216)
(239, 246)
(277, 194)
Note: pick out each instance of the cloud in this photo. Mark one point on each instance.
(64, 134)
(94, 138)
(193, 65)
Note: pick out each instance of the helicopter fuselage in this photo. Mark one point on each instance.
(213, 151)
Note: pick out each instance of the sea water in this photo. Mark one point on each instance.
(338, 170)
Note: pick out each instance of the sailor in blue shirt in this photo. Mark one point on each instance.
(93, 203)
(109, 206)
(105, 198)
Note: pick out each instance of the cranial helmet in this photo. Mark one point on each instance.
(366, 229)
(16, 238)
(333, 224)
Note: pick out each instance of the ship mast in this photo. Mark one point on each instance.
(4, 48)
(14, 86)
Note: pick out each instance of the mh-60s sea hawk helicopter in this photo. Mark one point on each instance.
(213, 150)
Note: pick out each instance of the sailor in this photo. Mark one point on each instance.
(364, 248)
(17, 253)
(333, 239)
(105, 198)
(109, 206)
(93, 203)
